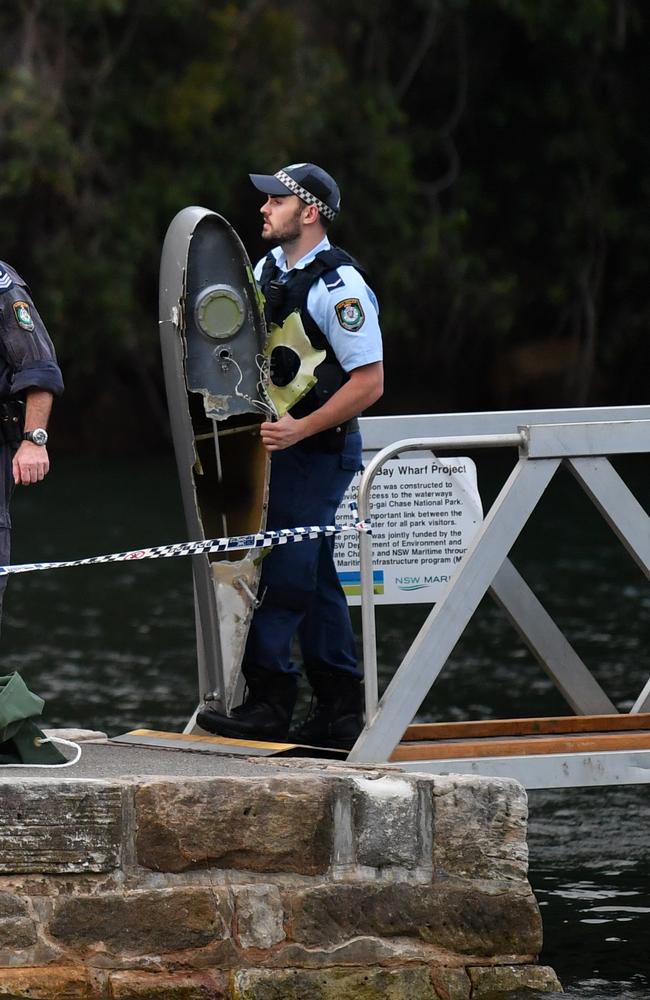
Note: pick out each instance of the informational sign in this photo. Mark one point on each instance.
(424, 514)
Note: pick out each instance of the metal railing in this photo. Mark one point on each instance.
(578, 439)
(368, 625)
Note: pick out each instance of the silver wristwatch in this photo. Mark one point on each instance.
(37, 436)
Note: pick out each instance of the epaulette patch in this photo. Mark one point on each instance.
(350, 314)
(6, 281)
(333, 280)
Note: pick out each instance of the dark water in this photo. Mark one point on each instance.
(112, 647)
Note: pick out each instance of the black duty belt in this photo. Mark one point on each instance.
(333, 439)
(11, 421)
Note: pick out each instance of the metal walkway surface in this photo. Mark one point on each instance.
(540, 753)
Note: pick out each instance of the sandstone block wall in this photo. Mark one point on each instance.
(314, 884)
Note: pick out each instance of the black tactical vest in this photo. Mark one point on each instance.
(283, 298)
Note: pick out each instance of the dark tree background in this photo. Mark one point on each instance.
(493, 158)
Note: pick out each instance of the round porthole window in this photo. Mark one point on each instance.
(219, 311)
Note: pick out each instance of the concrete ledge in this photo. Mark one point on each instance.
(282, 881)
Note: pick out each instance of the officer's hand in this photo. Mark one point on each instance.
(31, 463)
(281, 433)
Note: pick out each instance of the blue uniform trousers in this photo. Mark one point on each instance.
(300, 587)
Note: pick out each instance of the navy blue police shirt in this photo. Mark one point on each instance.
(27, 355)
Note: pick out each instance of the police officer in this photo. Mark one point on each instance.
(29, 379)
(315, 450)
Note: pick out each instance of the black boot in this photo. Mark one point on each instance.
(336, 718)
(264, 715)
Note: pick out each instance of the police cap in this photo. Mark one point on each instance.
(311, 183)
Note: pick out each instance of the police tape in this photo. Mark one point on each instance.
(234, 543)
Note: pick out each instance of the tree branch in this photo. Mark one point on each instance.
(426, 40)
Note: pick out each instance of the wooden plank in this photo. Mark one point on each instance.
(526, 727)
(223, 744)
(520, 747)
(188, 738)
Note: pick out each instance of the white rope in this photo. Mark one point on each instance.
(52, 739)
(234, 543)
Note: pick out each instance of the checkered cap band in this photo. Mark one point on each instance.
(309, 199)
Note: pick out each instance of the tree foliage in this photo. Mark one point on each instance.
(491, 155)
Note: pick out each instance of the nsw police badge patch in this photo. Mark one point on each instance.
(350, 314)
(23, 315)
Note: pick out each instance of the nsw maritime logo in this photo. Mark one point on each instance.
(418, 582)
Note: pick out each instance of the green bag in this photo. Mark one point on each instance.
(19, 735)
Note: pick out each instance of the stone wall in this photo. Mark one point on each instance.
(327, 884)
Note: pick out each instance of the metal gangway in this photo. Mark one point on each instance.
(596, 745)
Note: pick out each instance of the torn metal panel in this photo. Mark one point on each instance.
(212, 336)
(292, 339)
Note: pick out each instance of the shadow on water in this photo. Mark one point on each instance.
(112, 647)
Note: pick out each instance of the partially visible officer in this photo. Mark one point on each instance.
(315, 451)
(29, 379)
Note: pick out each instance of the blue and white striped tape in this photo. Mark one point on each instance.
(235, 543)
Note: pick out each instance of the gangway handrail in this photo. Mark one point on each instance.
(582, 447)
(369, 635)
